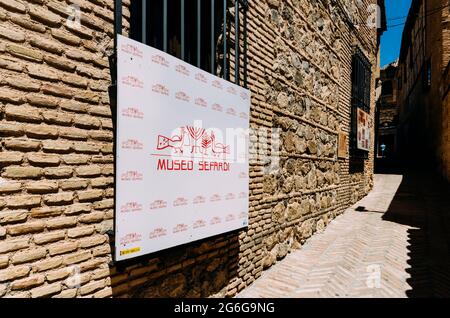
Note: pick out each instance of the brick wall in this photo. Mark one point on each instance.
(443, 152)
(56, 160)
(388, 102)
(444, 145)
(445, 138)
(424, 117)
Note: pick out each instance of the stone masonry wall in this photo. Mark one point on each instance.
(443, 151)
(445, 137)
(56, 160)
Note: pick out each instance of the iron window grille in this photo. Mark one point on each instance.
(205, 33)
(361, 89)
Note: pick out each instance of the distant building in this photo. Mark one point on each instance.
(423, 84)
(387, 114)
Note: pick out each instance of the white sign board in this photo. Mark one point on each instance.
(363, 138)
(182, 152)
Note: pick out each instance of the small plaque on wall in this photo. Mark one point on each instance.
(363, 137)
(343, 145)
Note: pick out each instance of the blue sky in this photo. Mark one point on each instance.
(391, 39)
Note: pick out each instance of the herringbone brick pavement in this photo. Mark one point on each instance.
(381, 247)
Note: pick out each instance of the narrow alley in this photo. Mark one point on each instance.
(393, 243)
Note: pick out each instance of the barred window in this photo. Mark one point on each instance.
(200, 32)
(361, 89)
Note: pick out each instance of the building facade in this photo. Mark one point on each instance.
(311, 69)
(387, 117)
(424, 85)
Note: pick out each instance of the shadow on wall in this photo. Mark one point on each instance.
(356, 165)
(423, 203)
(200, 269)
(387, 165)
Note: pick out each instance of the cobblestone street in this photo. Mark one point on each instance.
(393, 243)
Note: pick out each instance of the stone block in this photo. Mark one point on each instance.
(15, 172)
(49, 237)
(26, 228)
(30, 255)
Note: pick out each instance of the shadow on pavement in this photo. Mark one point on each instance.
(423, 203)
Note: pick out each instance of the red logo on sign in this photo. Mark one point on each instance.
(180, 202)
(244, 96)
(132, 144)
(160, 89)
(231, 111)
(230, 217)
(183, 96)
(199, 200)
(133, 113)
(217, 107)
(132, 176)
(230, 196)
(196, 134)
(243, 115)
(218, 148)
(182, 69)
(131, 49)
(199, 224)
(176, 142)
(180, 228)
(200, 77)
(215, 220)
(231, 90)
(132, 81)
(217, 84)
(200, 141)
(130, 238)
(158, 233)
(131, 207)
(215, 198)
(158, 204)
(201, 102)
(161, 60)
